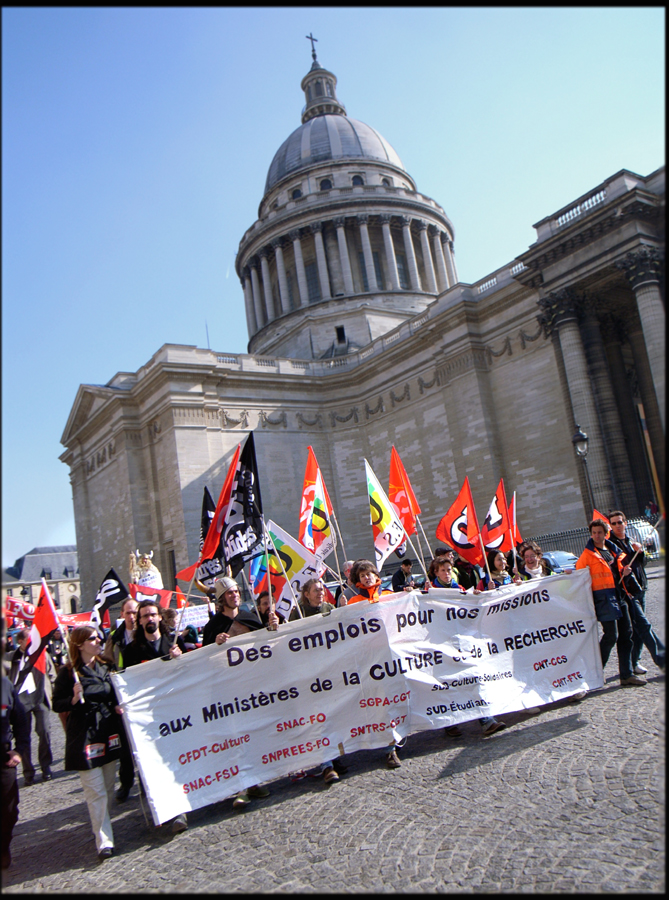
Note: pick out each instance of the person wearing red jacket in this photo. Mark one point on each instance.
(607, 571)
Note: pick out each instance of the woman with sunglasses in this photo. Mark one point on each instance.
(93, 729)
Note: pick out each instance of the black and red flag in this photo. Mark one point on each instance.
(242, 535)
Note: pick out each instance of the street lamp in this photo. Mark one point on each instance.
(580, 442)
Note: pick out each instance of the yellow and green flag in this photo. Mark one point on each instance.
(386, 526)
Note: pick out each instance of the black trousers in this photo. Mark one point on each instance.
(10, 804)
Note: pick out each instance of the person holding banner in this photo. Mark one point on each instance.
(532, 563)
(442, 575)
(607, 571)
(367, 580)
(93, 728)
(151, 640)
(312, 600)
(228, 600)
(498, 573)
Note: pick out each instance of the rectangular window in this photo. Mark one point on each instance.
(289, 282)
(313, 285)
(402, 271)
(171, 570)
(363, 270)
(377, 269)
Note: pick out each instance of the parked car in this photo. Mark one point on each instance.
(560, 560)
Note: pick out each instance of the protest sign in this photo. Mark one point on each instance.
(222, 718)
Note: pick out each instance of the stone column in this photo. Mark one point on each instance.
(449, 259)
(347, 275)
(636, 337)
(316, 229)
(261, 317)
(333, 261)
(251, 323)
(442, 277)
(281, 274)
(414, 278)
(642, 268)
(427, 258)
(560, 309)
(624, 495)
(613, 335)
(299, 267)
(391, 261)
(367, 253)
(267, 285)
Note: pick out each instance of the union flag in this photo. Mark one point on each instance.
(315, 531)
(513, 519)
(496, 531)
(459, 528)
(401, 495)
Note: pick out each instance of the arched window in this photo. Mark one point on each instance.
(357, 179)
(385, 181)
(297, 193)
(326, 184)
(328, 86)
(319, 88)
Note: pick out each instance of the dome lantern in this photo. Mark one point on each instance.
(320, 90)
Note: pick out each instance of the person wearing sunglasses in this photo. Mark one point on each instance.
(93, 731)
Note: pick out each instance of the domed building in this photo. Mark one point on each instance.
(361, 336)
(344, 249)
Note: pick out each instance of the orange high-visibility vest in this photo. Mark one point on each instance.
(601, 574)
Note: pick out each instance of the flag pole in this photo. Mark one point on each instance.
(513, 535)
(285, 575)
(425, 537)
(269, 580)
(248, 588)
(485, 558)
(343, 548)
(419, 554)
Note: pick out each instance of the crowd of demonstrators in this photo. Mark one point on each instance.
(95, 736)
(93, 732)
(35, 692)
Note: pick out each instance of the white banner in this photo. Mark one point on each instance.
(222, 718)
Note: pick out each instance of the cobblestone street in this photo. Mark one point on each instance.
(571, 800)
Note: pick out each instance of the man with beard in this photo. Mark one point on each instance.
(152, 641)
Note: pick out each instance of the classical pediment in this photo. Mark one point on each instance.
(89, 400)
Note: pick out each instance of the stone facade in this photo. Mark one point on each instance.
(486, 380)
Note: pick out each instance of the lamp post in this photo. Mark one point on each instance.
(580, 442)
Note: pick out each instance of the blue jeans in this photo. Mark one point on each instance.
(643, 632)
(618, 633)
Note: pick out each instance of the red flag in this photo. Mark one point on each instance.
(141, 592)
(517, 539)
(181, 600)
(213, 537)
(44, 625)
(496, 531)
(401, 494)
(459, 528)
(598, 515)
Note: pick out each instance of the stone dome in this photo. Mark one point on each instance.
(328, 137)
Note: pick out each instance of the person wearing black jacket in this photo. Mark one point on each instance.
(35, 688)
(152, 641)
(93, 731)
(15, 723)
(642, 630)
(228, 600)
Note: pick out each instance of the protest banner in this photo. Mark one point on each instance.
(222, 718)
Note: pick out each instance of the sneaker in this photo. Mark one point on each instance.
(105, 853)
(122, 794)
(533, 711)
(639, 669)
(452, 731)
(179, 824)
(579, 695)
(393, 760)
(241, 801)
(492, 727)
(633, 681)
(330, 776)
(257, 791)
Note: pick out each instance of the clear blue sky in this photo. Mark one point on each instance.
(136, 143)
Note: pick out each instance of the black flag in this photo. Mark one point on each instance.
(210, 569)
(242, 536)
(112, 590)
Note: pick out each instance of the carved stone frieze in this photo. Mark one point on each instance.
(528, 338)
(426, 385)
(229, 421)
(473, 358)
(265, 419)
(506, 349)
(334, 418)
(406, 395)
(369, 412)
(302, 421)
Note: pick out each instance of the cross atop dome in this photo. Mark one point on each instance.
(315, 64)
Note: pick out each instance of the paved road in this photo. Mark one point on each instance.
(570, 800)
